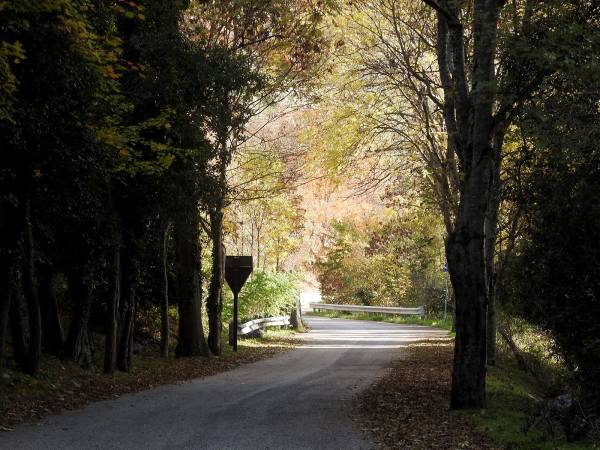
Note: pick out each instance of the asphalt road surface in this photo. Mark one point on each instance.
(301, 399)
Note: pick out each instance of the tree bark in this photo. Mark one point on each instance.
(34, 351)
(491, 328)
(466, 262)
(164, 305)
(77, 345)
(214, 303)
(191, 340)
(110, 343)
(130, 274)
(52, 329)
(490, 243)
(4, 309)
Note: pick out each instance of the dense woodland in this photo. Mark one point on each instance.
(119, 123)
(144, 140)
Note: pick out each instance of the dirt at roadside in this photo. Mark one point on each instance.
(408, 407)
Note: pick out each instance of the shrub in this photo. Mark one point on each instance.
(265, 294)
(394, 263)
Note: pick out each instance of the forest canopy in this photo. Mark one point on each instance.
(427, 153)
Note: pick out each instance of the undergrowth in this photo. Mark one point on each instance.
(514, 414)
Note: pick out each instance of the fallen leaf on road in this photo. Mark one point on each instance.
(408, 407)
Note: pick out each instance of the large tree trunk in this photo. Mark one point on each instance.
(51, 325)
(491, 327)
(468, 115)
(130, 272)
(30, 291)
(110, 343)
(466, 262)
(7, 276)
(164, 304)
(77, 345)
(214, 304)
(11, 233)
(191, 340)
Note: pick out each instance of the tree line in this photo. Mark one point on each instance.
(486, 113)
(119, 121)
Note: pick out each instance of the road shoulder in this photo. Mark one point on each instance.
(63, 386)
(408, 407)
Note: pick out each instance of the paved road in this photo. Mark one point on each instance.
(301, 399)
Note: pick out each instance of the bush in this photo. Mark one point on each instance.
(265, 294)
(394, 263)
(553, 277)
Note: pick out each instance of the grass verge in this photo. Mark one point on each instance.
(61, 385)
(408, 407)
(409, 320)
(513, 399)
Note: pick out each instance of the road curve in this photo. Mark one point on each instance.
(301, 399)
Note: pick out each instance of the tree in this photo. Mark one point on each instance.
(473, 134)
(60, 40)
(164, 168)
(445, 81)
(263, 51)
(552, 273)
(479, 105)
(265, 215)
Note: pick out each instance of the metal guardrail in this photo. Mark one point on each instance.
(256, 324)
(419, 311)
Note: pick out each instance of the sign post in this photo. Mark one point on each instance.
(237, 271)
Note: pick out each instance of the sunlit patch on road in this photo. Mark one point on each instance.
(350, 334)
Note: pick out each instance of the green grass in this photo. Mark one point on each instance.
(410, 320)
(511, 395)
